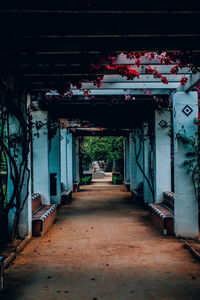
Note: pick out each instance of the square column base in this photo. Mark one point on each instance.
(76, 187)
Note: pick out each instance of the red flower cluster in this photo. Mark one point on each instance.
(166, 60)
(107, 63)
(138, 62)
(98, 81)
(150, 70)
(183, 80)
(124, 70)
(151, 56)
(86, 93)
(164, 80)
(174, 70)
(135, 55)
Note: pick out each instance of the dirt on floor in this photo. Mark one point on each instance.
(7, 249)
(103, 246)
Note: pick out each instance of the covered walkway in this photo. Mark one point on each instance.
(103, 246)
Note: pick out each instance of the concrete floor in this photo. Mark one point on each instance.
(103, 247)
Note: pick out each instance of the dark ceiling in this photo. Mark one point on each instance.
(45, 45)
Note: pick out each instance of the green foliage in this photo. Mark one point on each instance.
(86, 180)
(101, 148)
(192, 156)
(117, 179)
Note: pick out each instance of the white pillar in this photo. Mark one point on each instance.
(41, 157)
(126, 160)
(185, 109)
(64, 165)
(162, 155)
(148, 197)
(69, 161)
(132, 163)
(77, 160)
(76, 176)
(139, 149)
(54, 168)
(74, 158)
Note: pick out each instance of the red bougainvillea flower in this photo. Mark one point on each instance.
(86, 93)
(174, 70)
(166, 60)
(183, 80)
(98, 81)
(138, 62)
(164, 80)
(148, 92)
(124, 70)
(151, 56)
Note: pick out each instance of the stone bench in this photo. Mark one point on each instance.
(162, 214)
(43, 215)
(66, 196)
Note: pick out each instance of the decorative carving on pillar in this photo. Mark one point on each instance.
(187, 110)
(163, 123)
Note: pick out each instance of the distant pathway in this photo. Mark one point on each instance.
(103, 247)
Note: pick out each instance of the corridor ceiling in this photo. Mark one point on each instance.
(44, 45)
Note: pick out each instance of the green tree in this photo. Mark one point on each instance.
(102, 148)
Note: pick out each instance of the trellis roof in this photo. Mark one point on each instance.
(45, 45)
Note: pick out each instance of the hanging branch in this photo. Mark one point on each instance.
(16, 146)
(192, 164)
(137, 161)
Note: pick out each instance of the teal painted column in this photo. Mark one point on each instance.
(162, 161)
(132, 162)
(41, 182)
(139, 149)
(75, 146)
(185, 109)
(148, 196)
(126, 160)
(55, 168)
(69, 161)
(64, 165)
(136, 148)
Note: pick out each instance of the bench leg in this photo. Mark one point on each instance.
(47, 223)
(36, 227)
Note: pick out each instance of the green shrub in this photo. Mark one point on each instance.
(117, 179)
(86, 180)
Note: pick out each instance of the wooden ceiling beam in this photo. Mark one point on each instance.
(105, 44)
